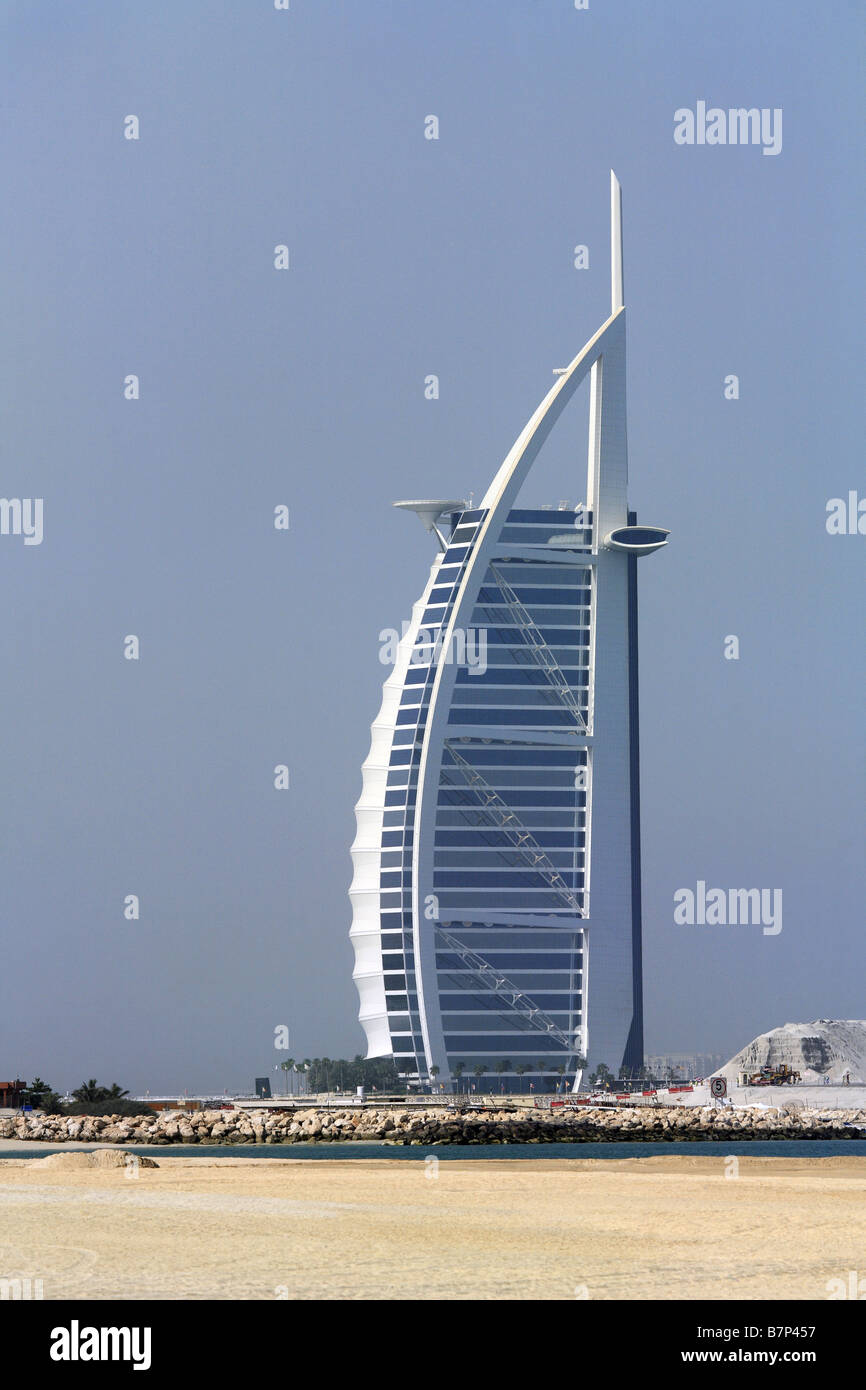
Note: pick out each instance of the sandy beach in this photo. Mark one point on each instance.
(672, 1227)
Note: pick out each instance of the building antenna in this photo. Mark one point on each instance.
(616, 289)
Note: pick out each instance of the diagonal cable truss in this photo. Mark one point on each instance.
(498, 813)
(539, 649)
(500, 985)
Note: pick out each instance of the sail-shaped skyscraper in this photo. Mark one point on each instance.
(496, 889)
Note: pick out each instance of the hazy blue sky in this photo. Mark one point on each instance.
(305, 387)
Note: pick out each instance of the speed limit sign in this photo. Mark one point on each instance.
(718, 1087)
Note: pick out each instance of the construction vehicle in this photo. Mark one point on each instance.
(779, 1075)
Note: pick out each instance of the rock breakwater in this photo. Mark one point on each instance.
(438, 1125)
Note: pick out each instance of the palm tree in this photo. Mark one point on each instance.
(459, 1068)
(90, 1090)
(42, 1097)
(521, 1070)
(478, 1071)
(502, 1066)
(434, 1072)
(287, 1066)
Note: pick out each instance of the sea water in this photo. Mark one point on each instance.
(770, 1148)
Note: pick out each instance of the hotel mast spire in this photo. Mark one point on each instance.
(616, 299)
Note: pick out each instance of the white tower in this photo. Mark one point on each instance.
(496, 893)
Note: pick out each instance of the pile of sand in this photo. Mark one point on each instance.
(100, 1158)
(828, 1047)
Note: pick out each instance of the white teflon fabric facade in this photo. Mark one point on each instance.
(365, 933)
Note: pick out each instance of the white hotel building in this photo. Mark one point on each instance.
(496, 889)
